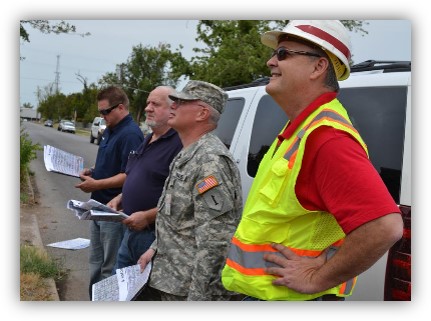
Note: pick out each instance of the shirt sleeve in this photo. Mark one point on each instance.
(337, 177)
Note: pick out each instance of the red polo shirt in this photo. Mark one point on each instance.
(337, 177)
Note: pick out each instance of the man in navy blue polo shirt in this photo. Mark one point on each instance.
(106, 178)
(146, 170)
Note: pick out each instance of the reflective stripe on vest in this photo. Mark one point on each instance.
(273, 213)
(325, 114)
(248, 258)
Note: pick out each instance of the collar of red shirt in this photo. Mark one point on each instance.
(292, 126)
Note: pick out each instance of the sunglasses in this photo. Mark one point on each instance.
(108, 110)
(282, 53)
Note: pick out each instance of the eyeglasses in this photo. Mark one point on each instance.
(108, 110)
(282, 53)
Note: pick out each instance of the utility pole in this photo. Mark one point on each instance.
(57, 82)
(119, 71)
(57, 75)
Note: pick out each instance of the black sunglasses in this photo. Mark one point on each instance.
(108, 110)
(282, 53)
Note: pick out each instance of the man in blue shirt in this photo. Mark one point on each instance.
(106, 178)
(147, 169)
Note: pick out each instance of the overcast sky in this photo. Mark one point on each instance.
(111, 43)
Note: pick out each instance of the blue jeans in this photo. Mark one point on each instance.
(105, 239)
(133, 245)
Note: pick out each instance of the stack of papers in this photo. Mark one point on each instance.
(59, 161)
(125, 285)
(94, 210)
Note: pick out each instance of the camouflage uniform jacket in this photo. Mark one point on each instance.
(199, 210)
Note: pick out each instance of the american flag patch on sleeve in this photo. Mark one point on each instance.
(206, 184)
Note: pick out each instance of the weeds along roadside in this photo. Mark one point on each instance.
(36, 267)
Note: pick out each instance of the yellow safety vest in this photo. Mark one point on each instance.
(273, 214)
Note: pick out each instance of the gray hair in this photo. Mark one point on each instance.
(214, 116)
(331, 78)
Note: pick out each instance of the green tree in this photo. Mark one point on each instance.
(27, 154)
(45, 26)
(27, 105)
(233, 54)
(55, 107)
(85, 105)
(146, 68)
(42, 94)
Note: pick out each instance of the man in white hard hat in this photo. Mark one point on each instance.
(318, 213)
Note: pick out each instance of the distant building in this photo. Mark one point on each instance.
(29, 114)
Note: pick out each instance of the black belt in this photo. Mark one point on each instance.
(328, 297)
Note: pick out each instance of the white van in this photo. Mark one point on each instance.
(97, 128)
(377, 96)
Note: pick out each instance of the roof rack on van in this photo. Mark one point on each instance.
(255, 83)
(386, 66)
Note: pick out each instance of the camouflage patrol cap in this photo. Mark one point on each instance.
(201, 90)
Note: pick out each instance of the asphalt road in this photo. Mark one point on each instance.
(56, 222)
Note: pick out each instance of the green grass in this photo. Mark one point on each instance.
(36, 267)
(25, 195)
(34, 260)
(24, 198)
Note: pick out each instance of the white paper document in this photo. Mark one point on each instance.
(125, 285)
(94, 210)
(59, 161)
(75, 244)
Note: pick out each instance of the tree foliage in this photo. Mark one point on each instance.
(27, 105)
(146, 68)
(45, 26)
(27, 152)
(232, 55)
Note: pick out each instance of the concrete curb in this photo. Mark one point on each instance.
(31, 228)
(30, 187)
(37, 241)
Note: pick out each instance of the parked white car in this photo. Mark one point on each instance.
(97, 128)
(66, 126)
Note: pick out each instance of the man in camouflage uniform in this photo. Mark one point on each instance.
(200, 206)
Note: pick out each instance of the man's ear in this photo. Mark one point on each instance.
(321, 65)
(203, 114)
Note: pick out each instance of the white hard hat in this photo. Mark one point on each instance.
(330, 35)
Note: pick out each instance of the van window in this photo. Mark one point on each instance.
(269, 122)
(229, 120)
(379, 114)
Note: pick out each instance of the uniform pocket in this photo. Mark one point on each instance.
(273, 186)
